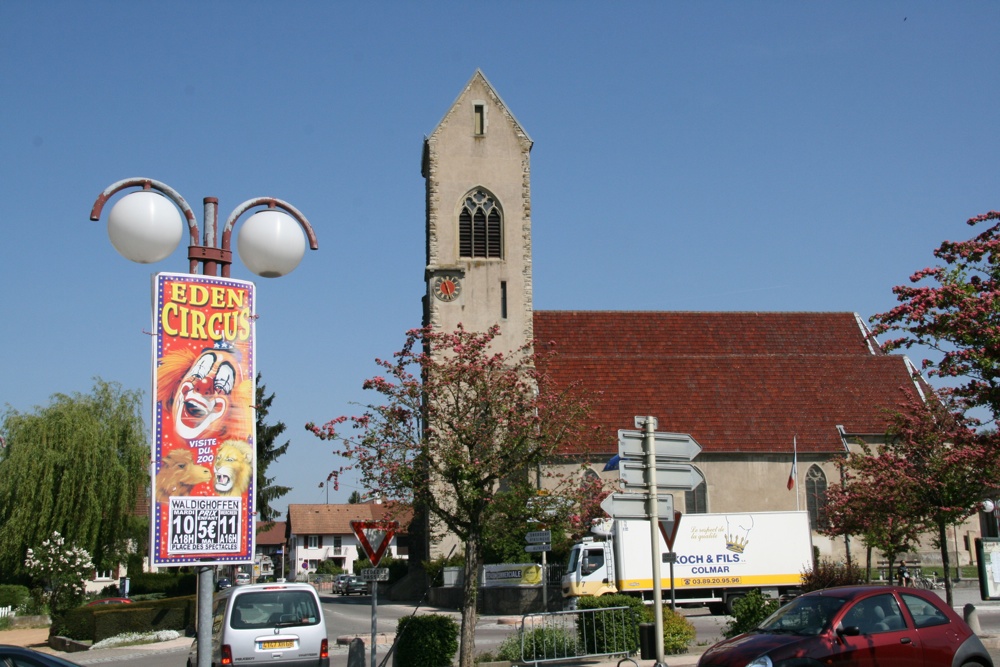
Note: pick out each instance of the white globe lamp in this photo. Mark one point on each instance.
(988, 506)
(271, 243)
(145, 227)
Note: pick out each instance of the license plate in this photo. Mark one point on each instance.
(277, 644)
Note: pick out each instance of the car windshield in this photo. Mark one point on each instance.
(268, 609)
(808, 615)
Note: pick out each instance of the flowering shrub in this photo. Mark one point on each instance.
(61, 571)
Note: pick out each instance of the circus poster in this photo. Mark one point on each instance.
(204, 453)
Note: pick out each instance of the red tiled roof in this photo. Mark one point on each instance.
(336, 519)
(736, 382)
(275, 535)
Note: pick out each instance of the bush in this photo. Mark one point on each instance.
(539, 644)
(603, 632)
(678, 632)
(103, 621)
(13, 596)
(428, 640)
(827, 573)
(748, 612)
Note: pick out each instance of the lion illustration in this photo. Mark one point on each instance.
(233, 468)
(178, 475)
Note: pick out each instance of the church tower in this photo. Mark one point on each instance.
(477, 169)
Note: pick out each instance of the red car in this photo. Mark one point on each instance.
(94, 603)
(884, 626)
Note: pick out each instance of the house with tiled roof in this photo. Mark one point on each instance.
(269, 559)
(751, 388)
(318, 533)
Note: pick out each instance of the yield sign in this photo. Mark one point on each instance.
(374, 537)
(669, 530)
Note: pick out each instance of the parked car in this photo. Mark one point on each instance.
(355, 585)
(869, 625)
(338, 582)
(16, 655)
(272, 624)
(100, 601)
(242, 578)
(222, 584)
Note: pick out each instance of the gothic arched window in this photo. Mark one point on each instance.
(696, 501)
(816, 497)
(480, 226)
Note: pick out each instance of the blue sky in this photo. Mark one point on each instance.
(783, 156)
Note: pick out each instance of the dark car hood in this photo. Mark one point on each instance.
(744, 648)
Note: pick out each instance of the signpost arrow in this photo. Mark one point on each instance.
(538, 536)
(538, 548)
(635, 506)
(668, 475)
(667, 446)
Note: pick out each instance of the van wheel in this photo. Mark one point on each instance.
(732, 600)
(717, 608)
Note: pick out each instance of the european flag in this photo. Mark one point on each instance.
(612, 464)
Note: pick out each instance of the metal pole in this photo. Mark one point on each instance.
(545, 583)
(374, 586)
(649, 449)
(204, 626)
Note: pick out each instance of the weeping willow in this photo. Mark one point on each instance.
(75, 467)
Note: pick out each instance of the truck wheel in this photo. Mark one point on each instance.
(717, 608)
(731, 600)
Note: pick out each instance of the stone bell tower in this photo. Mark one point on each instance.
(477, 168)
(478, 273)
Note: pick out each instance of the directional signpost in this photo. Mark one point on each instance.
(651, 461)
(374, 538)
(540, 541)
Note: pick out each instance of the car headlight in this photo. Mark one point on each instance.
(762, 661)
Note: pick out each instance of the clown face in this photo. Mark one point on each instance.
(202, 397)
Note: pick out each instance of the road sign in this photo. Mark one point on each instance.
(537, 548)
(634, 505)
(674, 475)
(374, 537)
(375, 573)
(669, 529)
(538, 536)
(666, 446)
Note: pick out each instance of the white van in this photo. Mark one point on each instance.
(242, 578)
(276, 624)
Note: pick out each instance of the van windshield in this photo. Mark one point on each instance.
(268, 609)
(574, 555)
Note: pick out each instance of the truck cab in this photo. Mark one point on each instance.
(590, 570)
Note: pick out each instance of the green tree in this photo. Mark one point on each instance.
(459, 421)
(77, 468)
(355, 497)
(267, 452)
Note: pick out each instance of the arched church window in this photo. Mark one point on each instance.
(480, 226)
(696, 500)
(816, 497)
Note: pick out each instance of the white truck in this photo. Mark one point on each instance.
(719, 558)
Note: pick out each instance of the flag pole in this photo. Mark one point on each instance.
(795, 466)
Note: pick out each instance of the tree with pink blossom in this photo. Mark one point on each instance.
(460, 426)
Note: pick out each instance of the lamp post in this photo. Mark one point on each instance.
(145, 227)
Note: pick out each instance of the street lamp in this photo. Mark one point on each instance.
(145, 227)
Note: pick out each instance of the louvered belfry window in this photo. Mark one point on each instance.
(480, 227)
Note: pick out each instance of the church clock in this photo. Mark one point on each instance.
(446, 288)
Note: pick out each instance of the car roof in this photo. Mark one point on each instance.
(859, 591)
(251, 588)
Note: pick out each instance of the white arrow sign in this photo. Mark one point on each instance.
(635, 506)
(537, 548)
(668, 475)
(538, 536)
(666, 446)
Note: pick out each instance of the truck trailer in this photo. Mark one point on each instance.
(719, 558)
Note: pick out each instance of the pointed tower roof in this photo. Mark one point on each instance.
(479, 77)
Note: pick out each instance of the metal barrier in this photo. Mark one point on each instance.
(584, 633)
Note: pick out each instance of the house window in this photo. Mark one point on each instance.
(312, 542)
(480, 226)
(479, 119)
(337, 545)
(104, 575)
(503, 299)
(816, 497)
